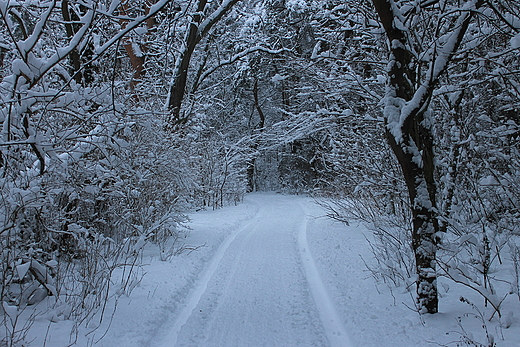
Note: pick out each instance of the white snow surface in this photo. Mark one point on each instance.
(273, 272)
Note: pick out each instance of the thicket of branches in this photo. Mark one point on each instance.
(90, 169)
(120, 117)
(449, 206)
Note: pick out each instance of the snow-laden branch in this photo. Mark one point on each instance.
(239, 56)
(61, 53)
(78, 37)
(27, 45)
(299, 126)
(512, 22)
(420, 100)
(9, 26)
(214, 17)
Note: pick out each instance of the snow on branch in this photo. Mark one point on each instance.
(136, 22)
(60, 54)
(26, 46)
(299, 126)
(207, 23)
(239, 56)
(442, 56)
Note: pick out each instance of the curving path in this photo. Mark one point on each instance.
(262, 288)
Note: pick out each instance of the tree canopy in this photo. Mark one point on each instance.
(118, 117)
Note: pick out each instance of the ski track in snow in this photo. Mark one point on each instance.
(196, 294)
(262, 288)
(330, 319)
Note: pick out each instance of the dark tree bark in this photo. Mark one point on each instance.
(412, 140)
(83, 75)
(257, 106)
(200, 25)
(179, 85)
(251, 168)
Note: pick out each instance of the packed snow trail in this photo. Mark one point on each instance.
(332, 324)
(267, 273)
(262, 288)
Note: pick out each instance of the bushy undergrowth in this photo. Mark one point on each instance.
(67, 230)
(479, 238)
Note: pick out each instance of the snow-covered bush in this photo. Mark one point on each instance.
(85, 181)
(370, 191)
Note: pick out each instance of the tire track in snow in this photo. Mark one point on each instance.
(332, 324)
(201, 286)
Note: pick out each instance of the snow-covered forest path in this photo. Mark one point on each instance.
(272, 271)
(261, 288)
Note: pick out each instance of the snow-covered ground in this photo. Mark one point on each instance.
(273, 272)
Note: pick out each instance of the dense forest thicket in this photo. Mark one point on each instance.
(119, 117)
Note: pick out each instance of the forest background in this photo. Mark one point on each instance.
(118, 118)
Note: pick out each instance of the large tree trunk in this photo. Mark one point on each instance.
(251, 168)
(409, 133)
(178, 87)
(412, 144)
(415, 155)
